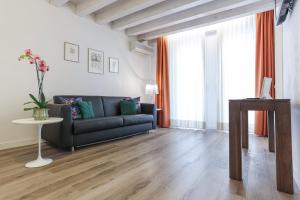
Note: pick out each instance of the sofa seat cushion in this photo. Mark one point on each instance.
(137, 119)
(96, 124)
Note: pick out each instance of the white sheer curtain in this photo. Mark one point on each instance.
(238, 64)
(236, 79)
(186, 79)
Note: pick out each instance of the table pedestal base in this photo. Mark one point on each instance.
(39, 162)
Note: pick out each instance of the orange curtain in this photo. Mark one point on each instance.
(162, 79)
(265, 63)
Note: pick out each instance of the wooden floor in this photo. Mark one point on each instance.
(168, 164)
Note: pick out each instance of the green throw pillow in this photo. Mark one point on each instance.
(86, 109)
(128, 107)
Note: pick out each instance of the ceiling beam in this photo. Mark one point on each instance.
(154, 12)
(187, 15)
(122, 8)
(89, 6)
(59, 2)
(211, 19)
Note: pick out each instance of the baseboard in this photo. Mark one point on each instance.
(18, 143)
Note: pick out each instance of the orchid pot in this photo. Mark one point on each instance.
(40, 114)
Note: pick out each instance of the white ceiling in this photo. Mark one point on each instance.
(149, 19)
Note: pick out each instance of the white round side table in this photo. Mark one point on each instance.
(39, 162)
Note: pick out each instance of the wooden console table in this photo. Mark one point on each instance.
(238, 137)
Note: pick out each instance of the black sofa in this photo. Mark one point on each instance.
(108, 123)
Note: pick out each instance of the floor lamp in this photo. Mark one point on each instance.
(151, 90)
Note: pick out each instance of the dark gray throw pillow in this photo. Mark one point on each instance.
(137, 101)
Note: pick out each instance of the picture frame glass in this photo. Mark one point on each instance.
(71, 52)
(266, 87)
(95, 61)
(113, 65)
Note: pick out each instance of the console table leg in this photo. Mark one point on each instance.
(271, 131)
(284, 165)
(235, 150)
(245, 136)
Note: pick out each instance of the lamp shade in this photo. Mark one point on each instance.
(151, 89)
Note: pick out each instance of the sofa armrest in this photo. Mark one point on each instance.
(59, 134)
(150, 109)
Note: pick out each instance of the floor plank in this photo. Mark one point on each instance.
(164, 165)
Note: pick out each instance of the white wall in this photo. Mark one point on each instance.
(278, 61)
(291, 80)
(44, 28)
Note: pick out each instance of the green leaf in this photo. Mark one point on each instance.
(35, 100)
(29, 102)
(27, 109)
(43, 99)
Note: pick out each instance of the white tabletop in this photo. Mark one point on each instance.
(51, 120)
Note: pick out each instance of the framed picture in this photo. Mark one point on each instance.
(71, 52)
(266, 87)
(113, 65)
(96, 61)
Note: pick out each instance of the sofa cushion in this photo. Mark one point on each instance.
(137, 119)
(96, 124)
(86, 109)
(96, 102)
(128, 107)
(75, 110)
(137, 101)
(112, 105)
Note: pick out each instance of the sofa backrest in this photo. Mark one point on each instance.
(112, 105)
(96, 101)
(102, 105)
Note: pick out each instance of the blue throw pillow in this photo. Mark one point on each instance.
(75, 110)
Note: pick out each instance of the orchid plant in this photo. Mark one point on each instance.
(41, 68)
